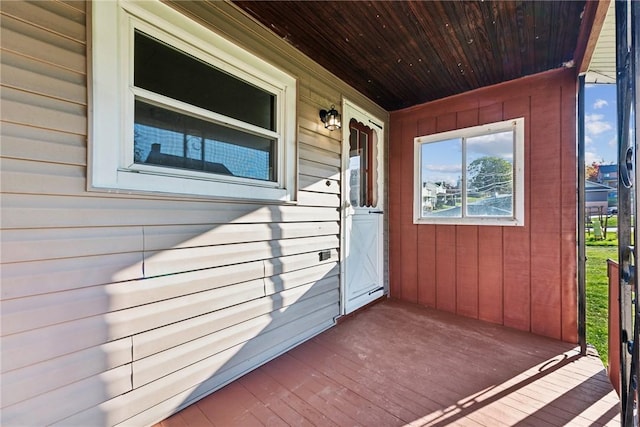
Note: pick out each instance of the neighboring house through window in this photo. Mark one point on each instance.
(471, 176)
(179, 109)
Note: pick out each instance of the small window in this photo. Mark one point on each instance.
(471, 176)
(178, 109)
(363, 182)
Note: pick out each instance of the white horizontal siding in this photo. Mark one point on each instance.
(23, 314)
(37, 345)
(175, 334)
(319, 155)
(319, 170)
(27, 74)
(25, 176)
(70, 399)
(52, 17)
(318, 275)
(199, 379)
(32, 327)
(311, 141)
(307, 198)
(34, 380)
(75, 5)
(46, 244)
(25, 279)
(120, 308)
(186, 259)
(45, 211)
(19, 36)
(311, 183)
(22, 245)
(36, 278)
(275, 266)
(43, 112)
(198, 235)
(160, 364)
(29, 143)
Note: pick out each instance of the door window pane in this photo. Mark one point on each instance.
(362, 165)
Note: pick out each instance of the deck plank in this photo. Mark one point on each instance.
(229, 408)
(400, 364)
(194, 417)
(276, 398)
(314, 392)
(349, 377)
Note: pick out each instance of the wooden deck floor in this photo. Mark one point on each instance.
(397, 364)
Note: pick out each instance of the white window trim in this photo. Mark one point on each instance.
(518, 219)
(111, 165)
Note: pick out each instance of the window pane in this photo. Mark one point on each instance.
(166, 138)
(355, 169)
(441, 173)
(170, 72)
(362, 165)
(490, 175)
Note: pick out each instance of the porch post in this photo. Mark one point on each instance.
(582, 257)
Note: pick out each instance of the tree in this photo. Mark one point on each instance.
(490, 175)
(592, 172)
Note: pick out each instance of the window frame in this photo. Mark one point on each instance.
(113, 93)
(518, 218)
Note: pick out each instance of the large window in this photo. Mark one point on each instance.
(178, 109)
(471, 176)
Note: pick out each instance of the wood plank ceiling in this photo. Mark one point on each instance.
(403, 53)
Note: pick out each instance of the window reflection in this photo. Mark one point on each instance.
(442, 178)
(483, 188)
(489, 167)
(362, 165)
(166, 138)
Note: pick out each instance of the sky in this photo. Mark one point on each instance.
(600, 124)
(442, 160)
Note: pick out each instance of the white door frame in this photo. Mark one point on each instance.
(376, 123)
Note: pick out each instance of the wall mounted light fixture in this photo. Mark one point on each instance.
(331, 118)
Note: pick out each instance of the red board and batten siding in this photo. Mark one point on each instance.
(521, 277)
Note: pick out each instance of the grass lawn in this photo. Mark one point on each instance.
(598, 293)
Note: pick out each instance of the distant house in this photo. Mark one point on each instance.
(608, 175)
(597, 196)
(430, 194)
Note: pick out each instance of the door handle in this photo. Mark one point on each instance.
(626, 168)
(376, 212)
(381, 288)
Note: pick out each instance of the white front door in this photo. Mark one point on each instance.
(363, 210)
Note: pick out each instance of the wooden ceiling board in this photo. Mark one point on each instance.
(403, 53)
